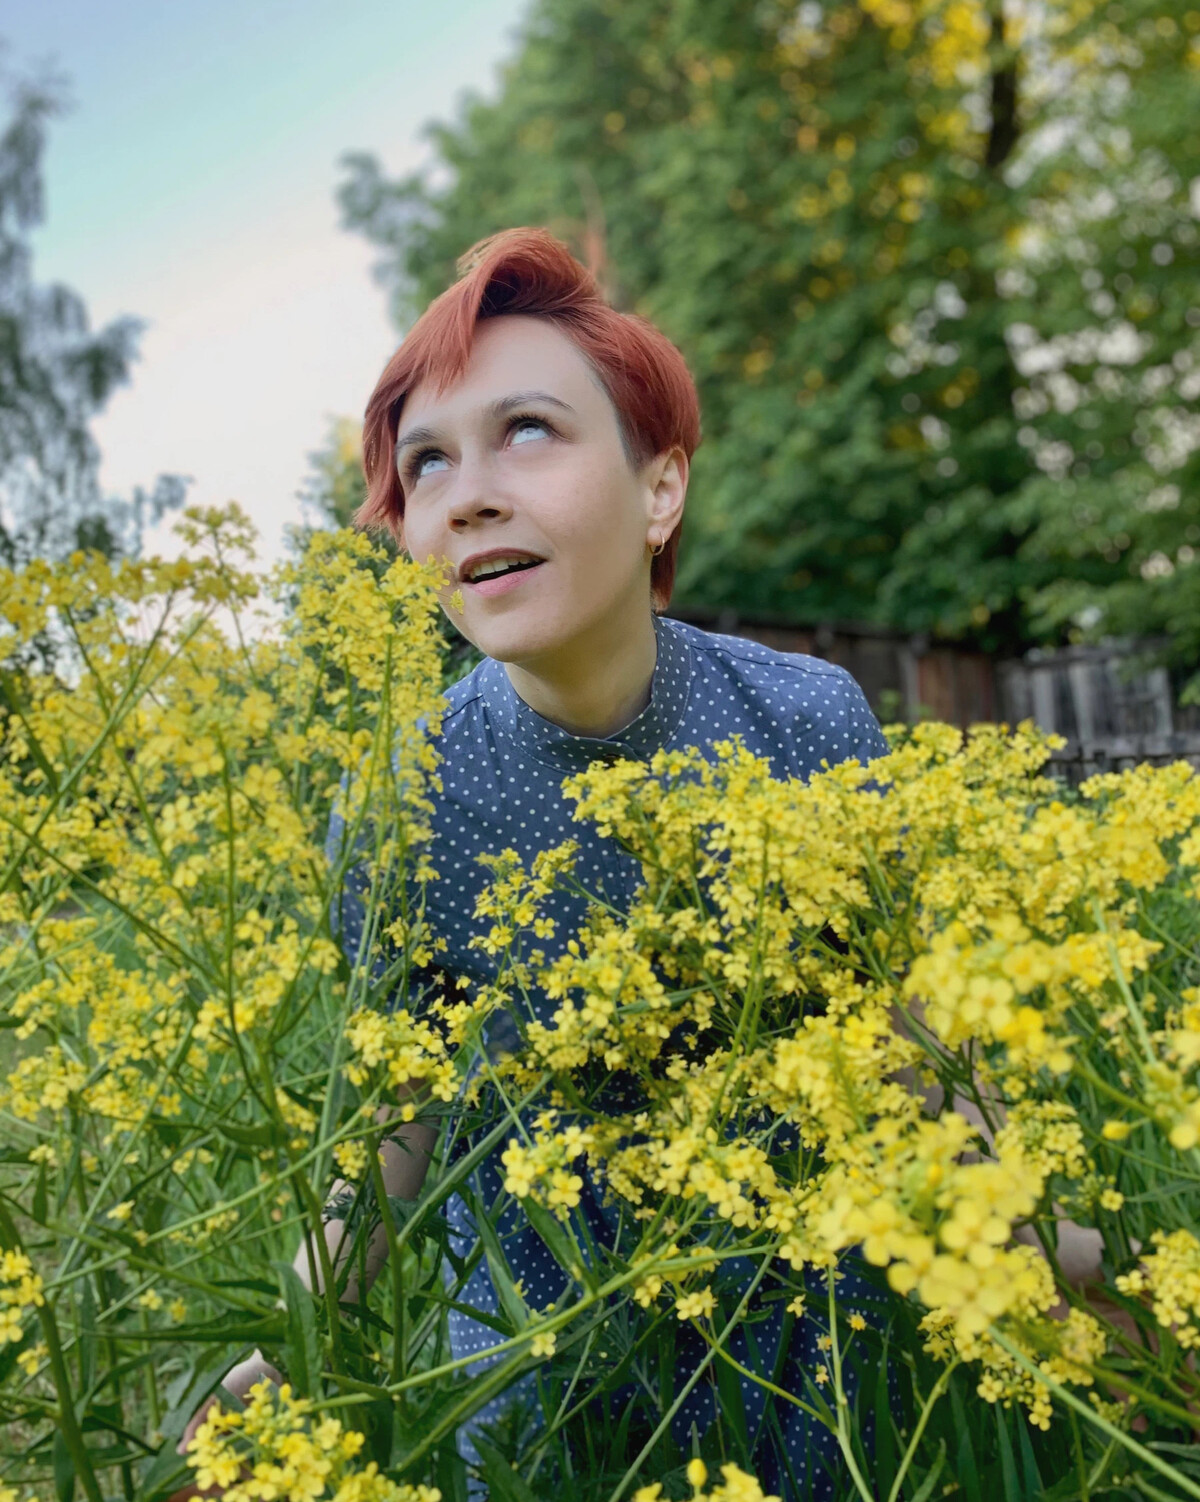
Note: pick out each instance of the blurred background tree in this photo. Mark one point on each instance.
(870, 227)
(56, 374)
(1106, 334)
(334, 487)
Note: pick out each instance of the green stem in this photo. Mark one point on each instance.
(151, 1380)
(631, 1473)
(939, 1387)
(1093, 1416)
(399, 1319)
(841, 1402)
(71, 1433)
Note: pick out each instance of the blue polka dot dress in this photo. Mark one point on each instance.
(502, 770)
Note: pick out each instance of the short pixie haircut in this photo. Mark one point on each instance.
(528, 271)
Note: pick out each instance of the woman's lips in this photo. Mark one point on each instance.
(500, 584)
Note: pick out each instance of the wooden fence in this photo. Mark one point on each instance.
(903, 677)
(1113, 712)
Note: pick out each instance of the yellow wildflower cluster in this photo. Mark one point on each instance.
(20, 1291)
(911, 1009)
(1171, 1276)
(544, 1169)
(1064, 1350)
(168, 775)
(352, 1159)
(1048, 1134)
(801, 955)
(404, 1049)
(737, 1486)
(277, 1449)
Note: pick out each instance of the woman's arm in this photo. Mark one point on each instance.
(407, 1153)
(1079, 1248)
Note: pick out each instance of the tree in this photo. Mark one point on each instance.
(822, 205)
(1106, 330)
(55, 375)
(334, 487)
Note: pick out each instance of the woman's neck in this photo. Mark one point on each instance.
(596, 685)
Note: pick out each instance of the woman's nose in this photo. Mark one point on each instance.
(476, 495)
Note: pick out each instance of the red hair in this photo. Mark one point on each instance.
(529, 271)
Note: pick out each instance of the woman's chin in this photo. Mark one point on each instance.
(523, 647)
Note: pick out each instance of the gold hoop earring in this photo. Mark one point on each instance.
(662, 542)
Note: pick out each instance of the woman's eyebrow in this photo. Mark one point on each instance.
(494, 410)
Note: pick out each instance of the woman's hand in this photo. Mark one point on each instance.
(238, 1380)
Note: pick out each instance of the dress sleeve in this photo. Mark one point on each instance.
(864, 733)
(837, 724)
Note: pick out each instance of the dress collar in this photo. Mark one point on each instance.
(550, 743)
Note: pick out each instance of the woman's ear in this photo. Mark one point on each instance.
(668, 481)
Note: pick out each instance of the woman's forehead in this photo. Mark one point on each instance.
(511, 353)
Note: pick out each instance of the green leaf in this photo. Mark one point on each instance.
(1008, 1464)
(87, 1340)
(504, 1485)
(925, 1490)
(502, 1280)
(886, 1457)
(1031, 1476)
(64, 1468)
(38, 1208)
(167, 1471)
(450, 1473)
(559, 1243)
(965, 1469)
(302, 1344)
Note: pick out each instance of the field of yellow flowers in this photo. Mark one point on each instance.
(938, 1017)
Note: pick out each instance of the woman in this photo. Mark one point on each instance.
(539, 442)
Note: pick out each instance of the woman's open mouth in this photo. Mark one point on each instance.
(503, 576)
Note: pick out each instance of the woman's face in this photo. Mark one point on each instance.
(523, 457)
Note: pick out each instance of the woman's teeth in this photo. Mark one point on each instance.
(498, 566)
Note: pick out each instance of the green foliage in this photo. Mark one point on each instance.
(1108, 336)
(334, 487)
(829, 208)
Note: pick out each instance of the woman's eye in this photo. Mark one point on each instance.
(419, 463)
(525, 424)
(531, 427)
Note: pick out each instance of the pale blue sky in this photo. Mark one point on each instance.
(192, 184)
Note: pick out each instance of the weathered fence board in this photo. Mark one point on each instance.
(1113, 711)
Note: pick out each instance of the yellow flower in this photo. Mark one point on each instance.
(31, 1358)
(543, 1345)
(351, 1159)
(698, 1305)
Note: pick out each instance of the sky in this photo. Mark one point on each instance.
(191, 183)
